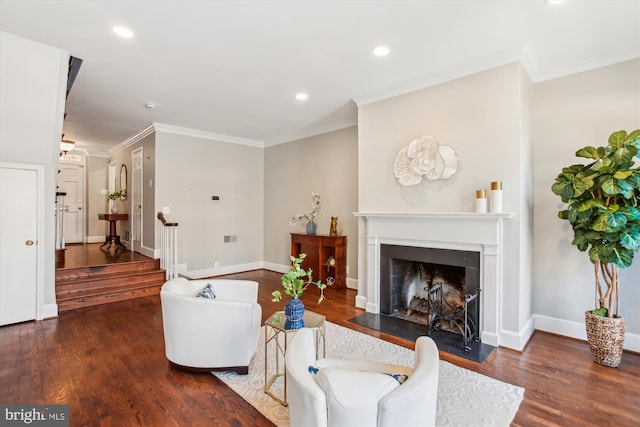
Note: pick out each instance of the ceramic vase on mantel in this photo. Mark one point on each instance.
(294, 310)
(311, 228)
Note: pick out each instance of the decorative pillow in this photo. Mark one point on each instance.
(401, 378)
(207, 292)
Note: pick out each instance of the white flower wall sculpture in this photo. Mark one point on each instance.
(424, 157)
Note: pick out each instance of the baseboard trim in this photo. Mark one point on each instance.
(279, 268)
(228, 269)
(517, 340)
(569, 328)
(48, 311)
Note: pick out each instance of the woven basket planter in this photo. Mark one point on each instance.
(606, 338)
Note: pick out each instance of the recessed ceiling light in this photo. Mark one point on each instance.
(150, 105)
(554, 1)
(301, 96)
(123, 32)
(381, 51)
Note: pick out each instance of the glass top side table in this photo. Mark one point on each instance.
(275, 339)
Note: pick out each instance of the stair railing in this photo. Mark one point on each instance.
(168, 247)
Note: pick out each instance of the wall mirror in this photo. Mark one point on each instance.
(123, 182)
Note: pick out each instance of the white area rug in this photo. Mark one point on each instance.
(465, 398)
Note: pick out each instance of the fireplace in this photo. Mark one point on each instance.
(438, 288)
(477, 236)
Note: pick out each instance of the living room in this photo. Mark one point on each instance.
(503, 126)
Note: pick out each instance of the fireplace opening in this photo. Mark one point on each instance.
(438, 288)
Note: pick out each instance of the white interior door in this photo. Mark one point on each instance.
(136, 199)
(71, 181)
(18, 244)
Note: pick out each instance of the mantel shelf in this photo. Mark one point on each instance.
(450, 215)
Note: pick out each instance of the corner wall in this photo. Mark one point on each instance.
(189, 171)
(324, 164)
(570, 113)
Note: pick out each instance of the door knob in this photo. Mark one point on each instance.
(29, 242)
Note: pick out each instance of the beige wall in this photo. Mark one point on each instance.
(570, 113)
(484, 117)
(189, 170)
(324, 164)
(97, 173)
(123, 157)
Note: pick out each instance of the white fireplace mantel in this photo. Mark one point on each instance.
(444, 230)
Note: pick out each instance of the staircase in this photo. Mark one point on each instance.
(86, 286)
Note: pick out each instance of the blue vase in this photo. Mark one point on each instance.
(294, 310)
(311, 228)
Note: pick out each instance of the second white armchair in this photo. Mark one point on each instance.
(350, 393)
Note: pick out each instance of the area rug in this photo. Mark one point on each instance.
(465, 398)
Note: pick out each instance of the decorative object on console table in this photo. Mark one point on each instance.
(602, 207)
(311, 228)
(114, 197)
(295, 282)
(333, 228)
(318, 250)
(310, 217)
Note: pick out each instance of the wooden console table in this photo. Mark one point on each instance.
(319, 249)
(113, 235)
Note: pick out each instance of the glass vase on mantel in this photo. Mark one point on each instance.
(294, 310)
(311, 228)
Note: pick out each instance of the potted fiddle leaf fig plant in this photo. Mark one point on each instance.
(603, 208)
(295, 282)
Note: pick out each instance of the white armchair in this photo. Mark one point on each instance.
(205, 334)
(360, 393)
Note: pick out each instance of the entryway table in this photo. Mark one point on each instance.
(113, 235)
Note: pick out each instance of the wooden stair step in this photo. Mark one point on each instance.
(109, 297)
(115, 282)
(85, 286)
(66, 275)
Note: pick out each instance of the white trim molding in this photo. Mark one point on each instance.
(480, 233)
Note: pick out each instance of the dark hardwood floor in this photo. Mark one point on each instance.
(92, 254)
(107, 362)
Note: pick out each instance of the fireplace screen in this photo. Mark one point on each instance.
(435, 287)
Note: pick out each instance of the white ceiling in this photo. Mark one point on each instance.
(233, 67)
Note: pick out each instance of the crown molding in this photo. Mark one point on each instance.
(135, 138)
(177, 130)
(307, 133)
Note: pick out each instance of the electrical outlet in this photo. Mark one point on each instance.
(216, 264)
(166, 210)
